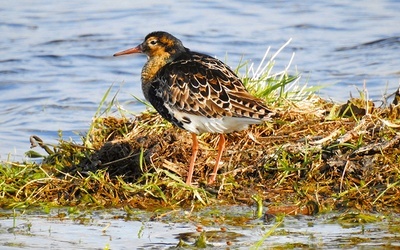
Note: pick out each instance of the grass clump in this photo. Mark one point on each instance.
(334, 156)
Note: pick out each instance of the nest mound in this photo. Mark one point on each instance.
(307, 153)
(334, 156)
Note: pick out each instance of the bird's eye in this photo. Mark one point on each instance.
(153, 42)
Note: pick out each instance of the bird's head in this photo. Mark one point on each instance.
(158, 44)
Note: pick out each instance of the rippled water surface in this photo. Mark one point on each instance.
(56, 61)
(115, 229)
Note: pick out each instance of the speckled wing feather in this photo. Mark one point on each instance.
(201, 85)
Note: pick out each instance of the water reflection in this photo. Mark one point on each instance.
(115, 229)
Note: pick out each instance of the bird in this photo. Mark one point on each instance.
(195, 92)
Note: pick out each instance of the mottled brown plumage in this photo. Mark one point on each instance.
(195, 92)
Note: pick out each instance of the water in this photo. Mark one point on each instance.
(56, 61)
(117, 230)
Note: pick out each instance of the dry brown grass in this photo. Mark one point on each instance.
(339, 157)
(344, 162)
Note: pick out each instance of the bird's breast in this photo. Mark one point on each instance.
(149, 74)
(150, 70)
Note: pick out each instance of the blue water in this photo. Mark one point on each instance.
(56, 56)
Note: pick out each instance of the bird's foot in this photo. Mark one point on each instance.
(212, 179)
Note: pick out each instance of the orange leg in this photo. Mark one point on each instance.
(221, 147)
(195, 148)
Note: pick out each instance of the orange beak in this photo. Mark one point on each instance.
(137, 49)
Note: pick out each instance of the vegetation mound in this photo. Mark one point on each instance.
(335, 156)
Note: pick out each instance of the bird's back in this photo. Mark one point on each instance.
(202, 94)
